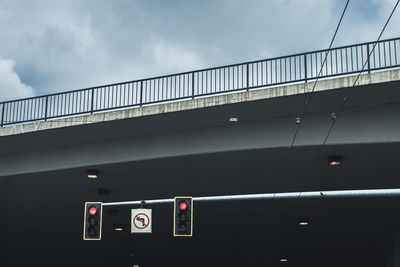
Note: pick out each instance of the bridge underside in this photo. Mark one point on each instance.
(44, 185)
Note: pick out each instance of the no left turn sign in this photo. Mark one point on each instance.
(141, 221)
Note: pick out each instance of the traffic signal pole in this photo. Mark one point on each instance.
(395, 192)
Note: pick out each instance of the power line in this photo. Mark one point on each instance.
(299, 119)
(334, 116)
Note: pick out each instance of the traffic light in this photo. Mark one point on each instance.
(183, 216)
(92, 221)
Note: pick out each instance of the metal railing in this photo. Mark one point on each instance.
(344, 60)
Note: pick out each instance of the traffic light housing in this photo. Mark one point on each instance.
(183, 216)
(92, 221)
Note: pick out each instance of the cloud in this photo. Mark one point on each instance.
(72, 44)
(173, 58)
(11, 86)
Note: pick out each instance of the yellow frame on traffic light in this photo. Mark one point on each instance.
(191, 216)
(84, 220)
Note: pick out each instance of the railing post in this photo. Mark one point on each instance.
(2, 115)
(45, 110)
(92, 104)
(192, 85)
(305, 67)
(369, 66)
(247, 77)
(141, 93)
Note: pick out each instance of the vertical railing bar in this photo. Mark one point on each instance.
(337, 71)
(120, 93)
(252, 75)
(29, 116)
(192, 85)
(141, 93)
(395, 52)
(20, 105)
(215, 80)
(285, 60)
(45, 110)
(2, 114)
(295, 68)
(170, 88)
(34, 109)
(390, 54)
(73, 102)
(81, 107)
(23, 104)
(305, 67)
(92, 103)
(384, 54)
(379, 54)
(237, 77)
(341, 61)
(270, 71)
(351, 55)
(14, 118)
(368, 60)
(174, 86)
(19, 111)
(320, 67)
(247, 77)
(316, 64)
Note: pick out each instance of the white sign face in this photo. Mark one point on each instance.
(141, 221)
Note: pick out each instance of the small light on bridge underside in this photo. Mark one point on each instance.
(334, 160)
(304, 221)
(118, 228)
(283, 260)
(136, 265)
(92, 173)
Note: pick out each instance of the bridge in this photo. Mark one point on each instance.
(218, 131)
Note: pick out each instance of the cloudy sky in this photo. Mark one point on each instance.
(51, 46)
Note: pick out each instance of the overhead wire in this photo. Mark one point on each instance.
(307, 103)
(334, 116)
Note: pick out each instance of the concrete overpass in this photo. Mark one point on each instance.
(192, 147)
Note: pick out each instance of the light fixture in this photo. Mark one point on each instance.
(92, 173)
(233, 119)
(118, 227)
(283, 260)
(334, 160)
(304, 222)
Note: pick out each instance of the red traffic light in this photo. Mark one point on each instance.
(182, 205)
(92, 210)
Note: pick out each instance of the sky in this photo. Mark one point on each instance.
(49, 46)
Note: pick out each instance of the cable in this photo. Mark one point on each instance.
(373, 48)
(334, 116)
(299, 119)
